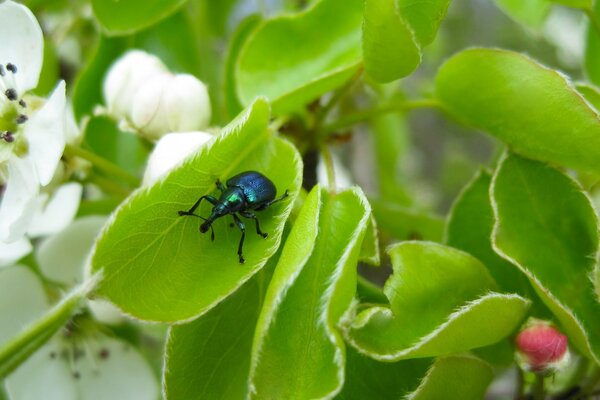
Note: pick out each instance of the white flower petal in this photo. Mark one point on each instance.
(22, 44)
(58, 212)
(18, 204)
(125, 77)
(43, 377)
(187, 104)
(22, 300)
(61, 257)
(106, 312)
(13, 252)
(170, 151)
(45, 133)
(148, 109)
(121, 374)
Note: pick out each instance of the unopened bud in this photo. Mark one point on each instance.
(171, 103)
(125, 77)
(541, 348)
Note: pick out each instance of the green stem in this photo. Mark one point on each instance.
(538, 387)
(277, 123)
(17, 350)
(103, 164)
(365, 115)
(337, 96)
(328, 160)
(594, 20)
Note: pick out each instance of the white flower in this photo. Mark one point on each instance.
(170, 151)
(140, 91)
(79, 363)
(32, 131)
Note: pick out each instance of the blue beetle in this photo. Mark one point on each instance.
(246, 192)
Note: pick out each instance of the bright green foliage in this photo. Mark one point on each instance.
(591, 94)
(455, 377)
(534, 109)
(157, 266)
(367, 378)
(469, 228)
(320, 59)
(439, 303)
(313, 285)
(539, 207)
(405, 223)
(127, 16)
(209, 358)
(424, 17)
(585, 4)
(389, 46)
(369, 252)
(592, 49)
(531, 13)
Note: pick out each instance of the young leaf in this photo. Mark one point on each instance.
(407, 224)
(424, 17)
(439, 304)
(209, 358)
(295, 59)
(455, 377)
(313, 285)
(469, 228)
(127, 16)
(584, 4)
(389, 46)
(592, 50)
(531, 13)
(371, 379)
(157, 265)
(547, 226)
(369, 251)
(534, 109)
(591, 94)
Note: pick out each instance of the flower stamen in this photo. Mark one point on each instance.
(7, 136)
(11, 94)
(21, 119)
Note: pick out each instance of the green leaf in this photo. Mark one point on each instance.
(547, 226)
(534, 109)
(389, 46)
(584, 4)
(469, 228)
(439, 304)
(455, 377)
(371, 379)
(424, 17)
(369, 251)
(156, 264)
(591, 94)
(592, 49)
(127, 16)
(531, 13)
(240, 36)
(312, 287)
(209, 358)
(294, 59)
(407, 224)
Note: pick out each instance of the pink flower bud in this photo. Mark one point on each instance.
(541, 348)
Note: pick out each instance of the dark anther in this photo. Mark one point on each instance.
(77, 353)
(103, 354)
(76, 375)
(2, 71)
(12, 68)
(53, 354)
(8, 137)
(22, 103)
(11, 94)
(22, 118)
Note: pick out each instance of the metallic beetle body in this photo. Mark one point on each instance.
(246, 192)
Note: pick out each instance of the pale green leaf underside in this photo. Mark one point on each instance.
(157, 266)
(455, 377)
(591, 94)
(531, 13)
(546, 225)
(423, 16)
(534, 109)
(311, 288)
(294, 59)
(439, 304)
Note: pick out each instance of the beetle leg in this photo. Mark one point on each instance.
(211, 199)
(220, 185)
(268, 204)
(242, 227)
(253, 216)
